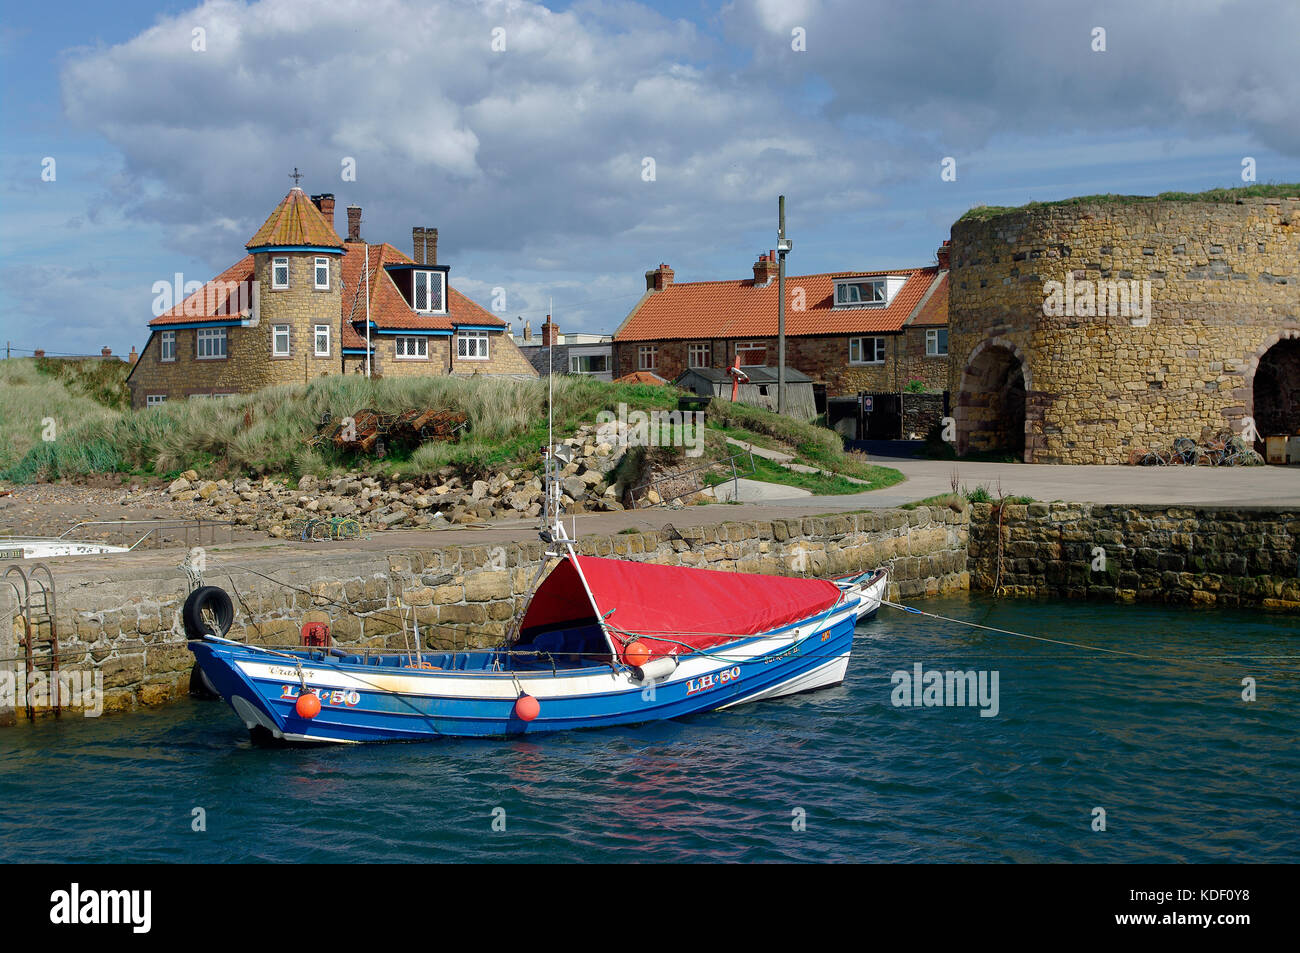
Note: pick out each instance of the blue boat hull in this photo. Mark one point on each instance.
(363, 701)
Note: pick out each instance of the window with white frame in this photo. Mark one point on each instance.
(936, 342)
(588, 363)
(210, 344)
(751, 353)
(279, 272)
(412, 348)
(167, 346)
(426, 293)
(322, 274)
(472, 345)
(322, 340)
(647, 357)
(280, 340)
(860, 291)
(699, 355)
(867, 350)
(153, 400)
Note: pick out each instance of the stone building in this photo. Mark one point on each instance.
(296, 307)
(1084, 331)
(848, 331)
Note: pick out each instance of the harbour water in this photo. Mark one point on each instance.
(1183, 768)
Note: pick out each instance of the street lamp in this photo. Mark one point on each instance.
(783, 246)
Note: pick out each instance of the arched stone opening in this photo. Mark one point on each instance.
(991, 408)
(1275, 390)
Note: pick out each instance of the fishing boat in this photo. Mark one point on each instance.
(602, 642)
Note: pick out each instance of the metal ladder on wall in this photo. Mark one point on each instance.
(40, 638)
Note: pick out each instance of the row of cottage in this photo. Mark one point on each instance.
(1043, 365)
(304, 302)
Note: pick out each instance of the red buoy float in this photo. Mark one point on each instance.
(307, 705)
(527, 707)
(636, 653)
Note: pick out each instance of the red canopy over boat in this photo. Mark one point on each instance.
(694, 608)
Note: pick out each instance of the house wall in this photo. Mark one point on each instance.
(1225, 287)
(823, 358)
(249, 364)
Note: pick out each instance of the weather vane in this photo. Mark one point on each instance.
(295, 175)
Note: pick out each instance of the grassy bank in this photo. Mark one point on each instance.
(43, 398)
(267, 432)
(986, 212)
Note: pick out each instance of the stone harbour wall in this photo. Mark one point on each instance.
(1200, 556)
(125, 624)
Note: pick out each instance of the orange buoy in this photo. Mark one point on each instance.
(636, 653)
(307, 705)
(527, 707)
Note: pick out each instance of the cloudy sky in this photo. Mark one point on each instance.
(527, 133)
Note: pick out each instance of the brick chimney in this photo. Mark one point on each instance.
(550, 333)
(39, 352)
(765, 268)
(133, 356)
(417, 241)
(659, 279)
(354, 223)
(942, 254)
(431, 243)
(105, 352)
(325, 203)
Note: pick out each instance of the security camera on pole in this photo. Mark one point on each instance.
(783, 245)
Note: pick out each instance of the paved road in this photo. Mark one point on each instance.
(1261, 486)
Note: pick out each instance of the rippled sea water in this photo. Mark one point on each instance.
(1183, 767)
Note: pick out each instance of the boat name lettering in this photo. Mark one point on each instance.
(292, 672)
(337, 696)
(713, 680)
(11, 554)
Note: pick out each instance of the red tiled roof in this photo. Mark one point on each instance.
(296, 221)
(739, 309)
(388, 309)
(218, 300)
(934, 310)
(641, 377)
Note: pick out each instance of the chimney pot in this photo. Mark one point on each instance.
(659, 279)
(105, 352)
(354, 223)
(528, 330)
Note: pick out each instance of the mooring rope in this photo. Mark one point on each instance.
(1024, 635)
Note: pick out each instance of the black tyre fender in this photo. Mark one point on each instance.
(201, 686)
(211, 599)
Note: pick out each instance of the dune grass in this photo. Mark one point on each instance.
(38, 404)
(267, 431)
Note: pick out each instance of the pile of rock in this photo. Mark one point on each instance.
(437, 499)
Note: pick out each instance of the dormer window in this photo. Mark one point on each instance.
(322, 274)
(279, 273)
(861, 292)
(427, 291)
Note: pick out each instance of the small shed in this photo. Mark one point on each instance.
(759, 390)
